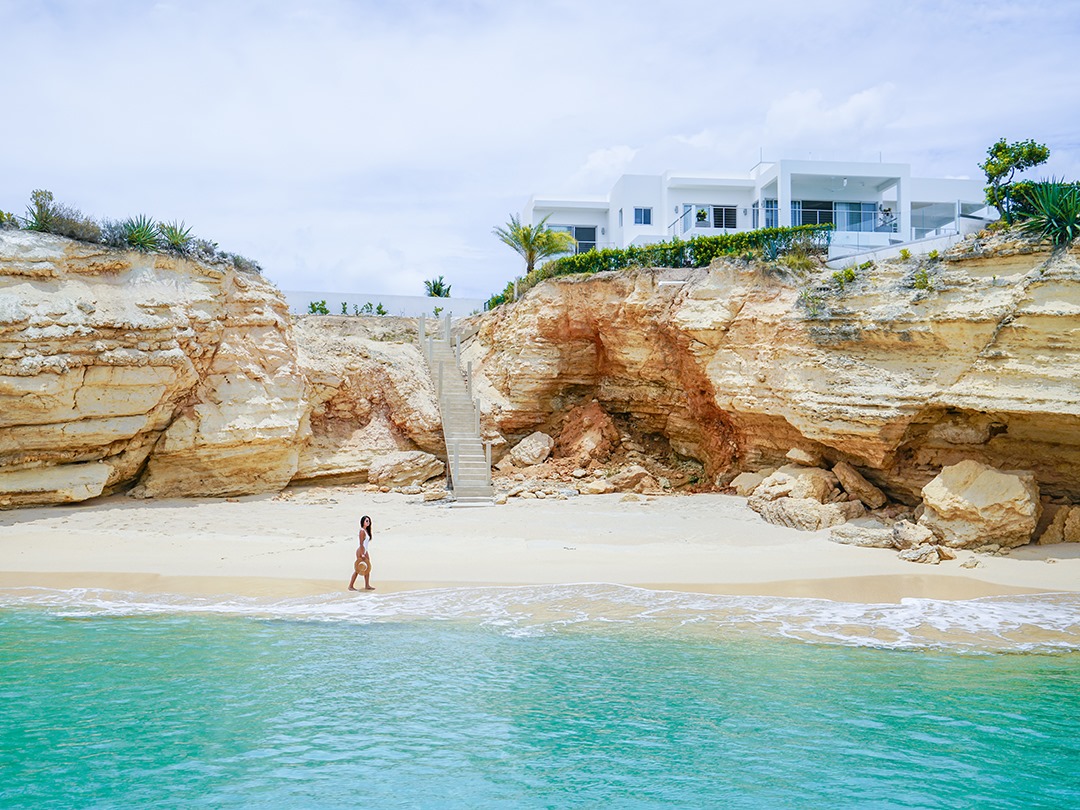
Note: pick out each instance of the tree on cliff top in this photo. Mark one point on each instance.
(1002, 163)
(534, 243)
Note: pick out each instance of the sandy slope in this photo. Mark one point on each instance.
(302, 542)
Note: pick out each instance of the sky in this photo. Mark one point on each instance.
(364, 147)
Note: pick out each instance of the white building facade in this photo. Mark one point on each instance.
(871, 206)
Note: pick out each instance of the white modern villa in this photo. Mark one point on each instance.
(871, 205)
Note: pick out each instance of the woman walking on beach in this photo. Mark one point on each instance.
(363, 559)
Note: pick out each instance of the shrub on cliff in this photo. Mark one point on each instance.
(46, 215)
(1055, 211)
(1003, 161)
(697, 252)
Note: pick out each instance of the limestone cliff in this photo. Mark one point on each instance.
(906, 369)
(118, 366)
(172, 377)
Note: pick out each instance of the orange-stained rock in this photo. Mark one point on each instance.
(588, 434)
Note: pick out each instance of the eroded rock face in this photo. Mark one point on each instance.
(370, 394)
(970, 504)
(112, 360)
(733, 372)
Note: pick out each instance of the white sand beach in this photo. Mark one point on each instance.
(301, 542)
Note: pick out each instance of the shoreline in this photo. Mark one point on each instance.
(877, 589)
(300, 542)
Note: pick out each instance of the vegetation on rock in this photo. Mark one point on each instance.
(534, 243)
(1055, 211)
(769, 243)
(142, 233)
(1002, 163)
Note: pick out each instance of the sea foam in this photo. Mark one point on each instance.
(1028, 623)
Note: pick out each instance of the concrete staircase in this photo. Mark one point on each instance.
(468, 458)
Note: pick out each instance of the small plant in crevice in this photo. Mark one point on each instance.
(813, 301)
(933, 255)
(8, 221)
(797, 261)
(355, 309)
(344, 308)
(843, 277)
(367, 308)
(46, 215)
(922, 279)
(318, 308)
(905, 254)
(380, 309)
(437, 311)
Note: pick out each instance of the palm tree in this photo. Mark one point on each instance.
(437, 288)
(534, 242)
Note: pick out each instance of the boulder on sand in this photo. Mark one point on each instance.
(971, 504)
(404, 468)
(533, 449)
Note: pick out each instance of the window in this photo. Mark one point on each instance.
(723, 216)
(584, 235)
(772, 218)
(586, 238)
(815, 212)
(754, 214)
(620, 217)
(643, 216)
(855, 216)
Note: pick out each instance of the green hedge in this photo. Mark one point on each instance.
(696, 252)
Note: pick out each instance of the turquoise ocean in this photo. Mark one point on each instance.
(552, 696)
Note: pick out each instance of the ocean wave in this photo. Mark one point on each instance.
(1028, 623)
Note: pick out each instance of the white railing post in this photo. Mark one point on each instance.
(456, 469)
(476, 410)
(441, 364)
(446, 328)
(487, 457)
(468, 377)
(457, 348)
(422, 321)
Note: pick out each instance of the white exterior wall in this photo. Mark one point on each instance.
(636, 191)
(886, 185)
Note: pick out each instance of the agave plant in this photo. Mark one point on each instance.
(41, 211)
(1056, 211)
(176, 236)
(141, 233)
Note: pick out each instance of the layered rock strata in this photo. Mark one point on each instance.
(907, 370)
(119, 365)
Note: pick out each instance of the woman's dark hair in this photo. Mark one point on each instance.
(368, 527)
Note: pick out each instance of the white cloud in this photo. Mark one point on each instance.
(603, 167)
